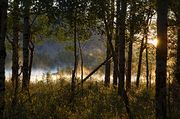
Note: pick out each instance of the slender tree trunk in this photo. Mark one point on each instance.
(31, 48)
(3, 23)
(128, 77)
(116, 61)
(122, 37)
(169, 96)
(15, 55)
(178, 46)
(128, 80)
(82, 64)
(161, 59)
(147, 21)
(116, 58)
(150, 77)
(26, 39)
(147, 52)
(96, 69)
(107, 66)
(109, 32)
(73, 82)
(140, 62)
(147, 65)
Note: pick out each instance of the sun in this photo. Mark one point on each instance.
(153, 42)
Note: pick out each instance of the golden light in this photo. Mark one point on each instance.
(153, 42)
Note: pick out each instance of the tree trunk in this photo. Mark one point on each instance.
(150, 76)
(26, 39)
(82, 64)
(116, 63)
(147, 21)
(73, 82)
(116, 58)
(3, 23)
(128, 76)
(107, 66)
(140, 62)
(31, 48)
(15, 48)
(122, 37)
(178, 46)
(109, 32)
(161, 59)
(147, 65)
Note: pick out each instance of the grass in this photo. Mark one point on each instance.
(95, 101)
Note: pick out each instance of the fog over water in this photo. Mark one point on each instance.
(41, 75)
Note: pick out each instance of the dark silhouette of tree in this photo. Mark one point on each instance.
(109, 26)
(73, 81)
(26, 40)
(3, 20)
(130, 48)
(177, 14)
(15, 50)
(116, 62)
(122, 38)
(161, 59)
(147, 15)
(140, 62)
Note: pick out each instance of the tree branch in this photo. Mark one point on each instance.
(95, 69)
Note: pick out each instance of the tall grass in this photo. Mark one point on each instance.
(94, 101)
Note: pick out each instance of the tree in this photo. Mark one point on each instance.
(146, 17)
(15, 50)
(26, 39)
(3, 20)
(122, 38)
(177, 14)
(161, 59)
(116, 63)
(109, 26)
(103, 10)
(131, 39)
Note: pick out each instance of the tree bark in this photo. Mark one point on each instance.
(116, 63)
(31, 48)
(122, 37)
(26, 39)
(147, 64)
(140, 62)
(97, 68)
(3, 26)
(109, 32)
(107, 66)
(128, 76)
(147, 19)
(15, 49)
(161, 59)
(73, 82)
(178, 45)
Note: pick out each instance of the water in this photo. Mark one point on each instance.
(41, 75)
(36, 74)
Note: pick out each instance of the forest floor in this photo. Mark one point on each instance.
(95, 101)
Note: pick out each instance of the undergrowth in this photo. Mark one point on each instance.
(94, 101)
